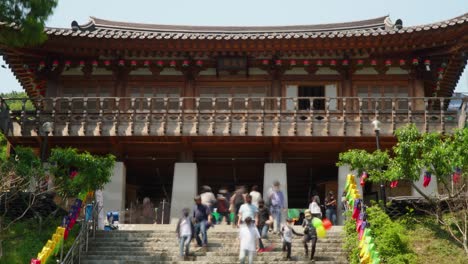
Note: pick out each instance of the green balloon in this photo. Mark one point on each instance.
(317, 222)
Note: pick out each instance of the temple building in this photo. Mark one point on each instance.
(186, 106)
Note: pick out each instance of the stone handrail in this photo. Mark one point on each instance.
(232, 116)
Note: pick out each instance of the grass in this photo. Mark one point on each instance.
(26, 238)
(434, 245)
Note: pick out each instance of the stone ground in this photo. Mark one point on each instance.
(144, 244)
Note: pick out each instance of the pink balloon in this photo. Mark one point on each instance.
(327, 224)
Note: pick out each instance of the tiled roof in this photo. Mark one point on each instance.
(99, 28)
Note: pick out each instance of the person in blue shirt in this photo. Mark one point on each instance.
(202, 219)
(277, 204)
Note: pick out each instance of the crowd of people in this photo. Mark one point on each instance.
(255, 217)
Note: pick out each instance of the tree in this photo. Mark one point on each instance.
(76, 172)
(25, 21)
(16, 100)
(436, 154)
(24, 174)
(19, 174)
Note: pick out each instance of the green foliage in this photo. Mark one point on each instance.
(3, 147)
(390, 237)
(24, 164)
(432, 244)
(350, 241)
(414, 151)
(20, 99)
(361, 160)
(26, 238)
(93, 171)
(29, 17)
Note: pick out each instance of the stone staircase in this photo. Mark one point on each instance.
(144, 244)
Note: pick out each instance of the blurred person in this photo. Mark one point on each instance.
(202, 219)
(330, 207)
(256, 196)
(248, 236)
(277, 205)
(185, 231)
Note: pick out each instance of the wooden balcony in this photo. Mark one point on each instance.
(254, 116)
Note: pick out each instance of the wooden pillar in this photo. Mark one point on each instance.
(347, 91)
(186, 151)
(276, 87)
(418, 91)
(276, 154)
(189, 91)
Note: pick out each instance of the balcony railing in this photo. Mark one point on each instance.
(231, 116)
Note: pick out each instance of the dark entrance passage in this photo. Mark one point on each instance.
(230, 172)
(306, 178)
(147, 178)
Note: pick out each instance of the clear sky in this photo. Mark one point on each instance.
(249, 12)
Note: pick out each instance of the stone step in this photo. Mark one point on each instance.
(85, 261)
(158, 244)
(233, 259)
(118, 234)
(210, 239)
(211, 246)
(193, 247)
(175, 252)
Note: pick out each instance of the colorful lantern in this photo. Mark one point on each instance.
(456, 175)
(265, 62)
(360, 62)
(73, 174)
(199, 63)
(278, 62)
(82, 64)
(364, 177)
(319, 63)
(55, 64)
(306, 63)
(415, 62)
(373, 62)
(133, 63)
(402, 62)
(292, 62)
(67, 64)
(121, 63)
(146, 63)
(388, 63)
(345, 63)
(94, 63)
(428, 64)
(333, 63)
(173, 63)
(427, 179)
(185, 63)
(107, 63)
(41, 65)
(160, 63)
(393, 184)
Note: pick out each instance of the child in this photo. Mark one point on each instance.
(185, 231)
(286, 237)
(248, 235)
(310, 234)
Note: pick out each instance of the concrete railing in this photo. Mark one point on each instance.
(232, 116)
